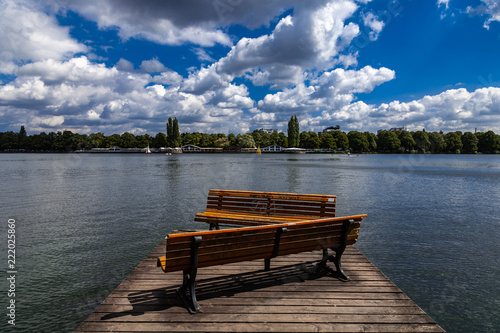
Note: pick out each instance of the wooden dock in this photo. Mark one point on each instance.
(243, 298)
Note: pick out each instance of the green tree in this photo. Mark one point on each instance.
(340, 139)
(9, 140)
(23, 138)
(221, 142)
(282, 140)
(257, 137)
(187, 139)
(205, 140)
(265, 140)
(143, 141)
(213, 137)
(97, 140)
(303, 138)
(453, 141)
(41, 142)
(245, 141)
(112, 141)
(79, 141)
(488, 142)
(372, 141)
(437, 142)
(327, 141)
(469, 141)
(160, 140)
(293, 132)
(422, 141)
(406, 140)
(232, 139)
(313, 141)
(358, 141)
(127, 140)
(176, 136)
(273, 139)
(63, 141)
(388, 141)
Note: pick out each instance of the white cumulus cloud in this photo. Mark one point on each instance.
(371, 21)
(489, 8)
(30, 34)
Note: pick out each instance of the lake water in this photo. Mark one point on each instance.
(84, 221)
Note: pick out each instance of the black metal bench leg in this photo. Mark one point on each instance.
(336, 260)
(324, 269)
(187, 291)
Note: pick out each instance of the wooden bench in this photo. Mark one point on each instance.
(189, 251)
(258, 208)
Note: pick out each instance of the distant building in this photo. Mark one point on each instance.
(116, 149)
(394, 129)
(398, 129)
(191, 149)
(330, 129)
(176, 150)
(295, 150)
(196, 149)
(268, 130)
(272, 149)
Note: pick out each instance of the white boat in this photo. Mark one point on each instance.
(148, 151)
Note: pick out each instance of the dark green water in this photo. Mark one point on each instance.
(83, 222)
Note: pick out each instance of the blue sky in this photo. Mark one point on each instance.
(224, 66)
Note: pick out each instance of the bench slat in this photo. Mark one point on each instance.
(214, 233)
(274, 195)
(255, 217)
(254, 201)
(275, 210)
(231, 243)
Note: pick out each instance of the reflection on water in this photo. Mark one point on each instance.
(85, 221)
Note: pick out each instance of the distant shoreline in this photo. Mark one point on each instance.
(235, 152)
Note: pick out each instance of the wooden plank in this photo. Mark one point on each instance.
(214, 317)
(256, 327)
(268, 309)
(122, 298)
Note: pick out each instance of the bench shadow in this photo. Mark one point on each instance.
(224, 286)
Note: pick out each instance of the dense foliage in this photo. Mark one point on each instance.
(355, 141)
(173, 134)
(293, 132)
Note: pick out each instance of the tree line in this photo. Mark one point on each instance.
(355, 141)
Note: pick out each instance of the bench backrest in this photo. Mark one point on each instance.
(216, 247)
(272, 203)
